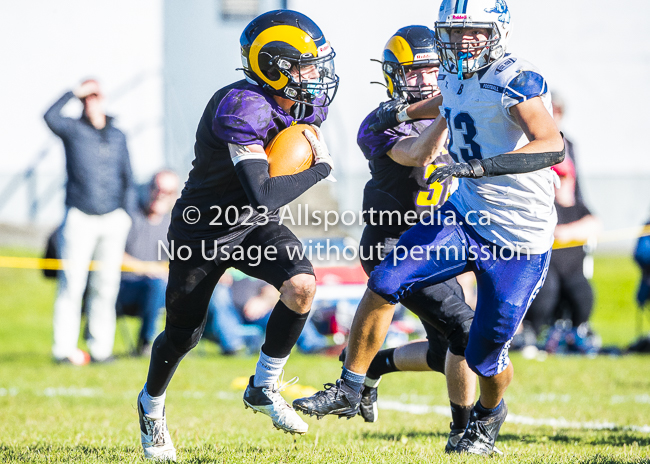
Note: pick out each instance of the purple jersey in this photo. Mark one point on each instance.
(396, 190)
(241, 114)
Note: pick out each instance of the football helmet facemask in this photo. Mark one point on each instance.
(409, 48)
(286, 53)
(462, 57)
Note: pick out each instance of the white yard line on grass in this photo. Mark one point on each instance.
(411, 408)
(421, 409)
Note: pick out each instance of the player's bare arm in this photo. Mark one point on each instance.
(545, 148)
(421, 151)
(539, 127)
(425, 109)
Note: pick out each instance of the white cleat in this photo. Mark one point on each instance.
(156, 442)
(269, 401)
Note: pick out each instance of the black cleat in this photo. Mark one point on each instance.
(454, 437)
(482, 432)
(337, 399)
(368, 406)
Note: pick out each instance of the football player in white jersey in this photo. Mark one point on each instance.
(499, 223)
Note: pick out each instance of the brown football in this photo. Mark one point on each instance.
(290, 152)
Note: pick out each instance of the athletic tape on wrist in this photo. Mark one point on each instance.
(403, 116)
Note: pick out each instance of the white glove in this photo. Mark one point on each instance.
(319, 147)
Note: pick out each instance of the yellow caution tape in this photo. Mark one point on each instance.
(21, 262)
(608, 237)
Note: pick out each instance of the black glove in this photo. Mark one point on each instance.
(472, 169)
(387, 115)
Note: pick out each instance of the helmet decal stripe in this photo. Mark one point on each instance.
(295, 36)
(400, 48)
(461, 7)
(390, 86)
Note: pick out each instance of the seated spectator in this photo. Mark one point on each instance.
(142, 291)
(566, 292)
(239, 310)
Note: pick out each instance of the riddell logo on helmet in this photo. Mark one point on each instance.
(324, 49)
(423, 56)
(459, 16)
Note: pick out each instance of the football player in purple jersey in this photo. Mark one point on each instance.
(398, 196)
(230, 203)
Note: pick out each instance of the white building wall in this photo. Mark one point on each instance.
(201, 56)
(48, 48)
(163, 59)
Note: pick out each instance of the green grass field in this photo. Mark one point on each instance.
(51, 413)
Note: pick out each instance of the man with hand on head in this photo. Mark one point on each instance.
(95, 225)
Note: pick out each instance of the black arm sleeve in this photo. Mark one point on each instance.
(519, 163)
(274, 192)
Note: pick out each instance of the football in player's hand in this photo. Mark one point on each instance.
(290, 152)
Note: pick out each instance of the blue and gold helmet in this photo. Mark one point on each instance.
(286, 53)
(409, 48)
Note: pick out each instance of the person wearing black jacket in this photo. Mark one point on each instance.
(95, 226)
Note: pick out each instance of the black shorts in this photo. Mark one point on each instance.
(440, 307)
(269, 253)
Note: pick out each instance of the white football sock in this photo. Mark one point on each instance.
(153, 406)
(268, 370)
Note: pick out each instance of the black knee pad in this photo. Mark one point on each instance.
(458, 338)
(435, 361)
(181, 340)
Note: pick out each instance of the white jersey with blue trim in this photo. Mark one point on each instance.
(520, 206)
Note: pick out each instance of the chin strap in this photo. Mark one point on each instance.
(298, 111)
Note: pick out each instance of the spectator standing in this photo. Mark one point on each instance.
(95, 224)
(142, 291)
(566, 286)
